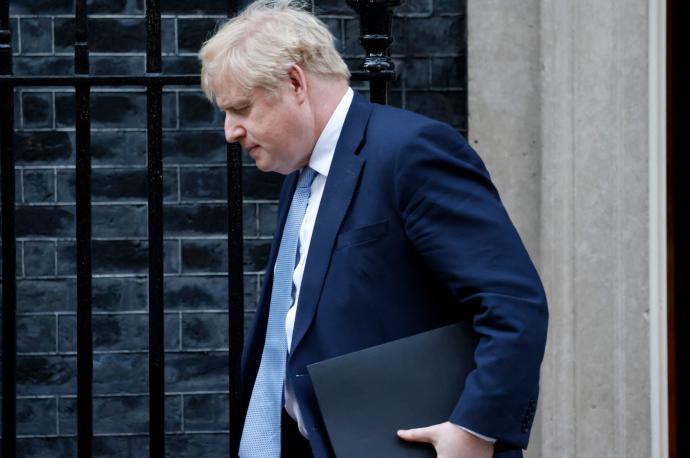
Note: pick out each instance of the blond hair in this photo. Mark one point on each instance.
(258, 47)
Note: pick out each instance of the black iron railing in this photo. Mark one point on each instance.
(377, 68)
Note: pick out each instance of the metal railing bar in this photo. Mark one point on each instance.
(9, 285)
(83, 248)
(236, 311)
(154, 100)
(100, 80)
(235, 292)
(153, 79)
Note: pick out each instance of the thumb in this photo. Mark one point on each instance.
(427, 434)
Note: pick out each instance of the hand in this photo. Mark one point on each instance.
(450, 441)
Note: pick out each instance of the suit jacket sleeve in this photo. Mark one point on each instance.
(454, 218)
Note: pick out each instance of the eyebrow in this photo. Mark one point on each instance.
(242, 103)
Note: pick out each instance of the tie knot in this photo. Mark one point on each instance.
(306, 178)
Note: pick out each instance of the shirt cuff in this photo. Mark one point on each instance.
(481, 436)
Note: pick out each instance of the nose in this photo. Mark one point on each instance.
(234, 131)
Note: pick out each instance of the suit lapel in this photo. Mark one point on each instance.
(341, 185)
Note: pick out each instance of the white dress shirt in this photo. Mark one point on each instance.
(320, 161)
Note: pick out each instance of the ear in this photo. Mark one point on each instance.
(298, 83)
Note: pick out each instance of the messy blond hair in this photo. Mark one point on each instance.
(258, 47)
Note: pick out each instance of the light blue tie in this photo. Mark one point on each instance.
(261, 435)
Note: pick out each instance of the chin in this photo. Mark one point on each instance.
(263, 167)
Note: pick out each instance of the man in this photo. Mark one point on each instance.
(388, 226)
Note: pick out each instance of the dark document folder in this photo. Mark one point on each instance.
(366, 396)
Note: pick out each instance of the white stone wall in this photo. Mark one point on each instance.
(558, 104)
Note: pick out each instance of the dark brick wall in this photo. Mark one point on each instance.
(429, 51)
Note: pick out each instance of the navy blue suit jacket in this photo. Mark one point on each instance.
(411, 235)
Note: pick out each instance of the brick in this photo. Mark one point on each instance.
(47, 447)
(39, 258)
(115, 257)
(196, 219)
(119, 415)
(260, 185)
(196, 445)
(399, 44)
(41, 375)
(41, 7)
(352, 33)
(256, 254)
(130, 33)
(168, 36)
(44, 148)
(118, 148)
(218, 7)
(119, 294)
(396, 99)
(55, 221)
(119, 221)
(333, 7)
(415, 8)
(436, 35)
(116, 185)
(121, 447)
(39, 185)
(449, 72)
(196, 371)
(415, 73)
(268, 218)
(46, 296)
(169, 109)
(14, 28)
(251, 296)
(445, 106)
(120, 373)
(206, 412)
(249, 226)
(37, 35)
(116, 6)
(189, 65)
(336, 28)
(37, 110)
(36, 333)
(194, 147)
(36, 416)
(46, 65)
(203, 183)
(192, 33)
(205, 331)
(197, 111)
(204, 256)
(117, 332)
(451, 6)
(108, 110)
(195, 293)
(117, 65)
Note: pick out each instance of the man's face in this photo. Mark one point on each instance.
(275, 130)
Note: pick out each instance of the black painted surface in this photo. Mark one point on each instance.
(431, 80)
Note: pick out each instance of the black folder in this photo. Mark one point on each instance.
(366, 396)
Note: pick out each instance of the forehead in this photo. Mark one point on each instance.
(228, 92)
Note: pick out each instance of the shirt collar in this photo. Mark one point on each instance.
(322, 156)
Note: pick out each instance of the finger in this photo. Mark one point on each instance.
(427, 434)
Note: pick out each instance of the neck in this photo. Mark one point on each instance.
(328, 93)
